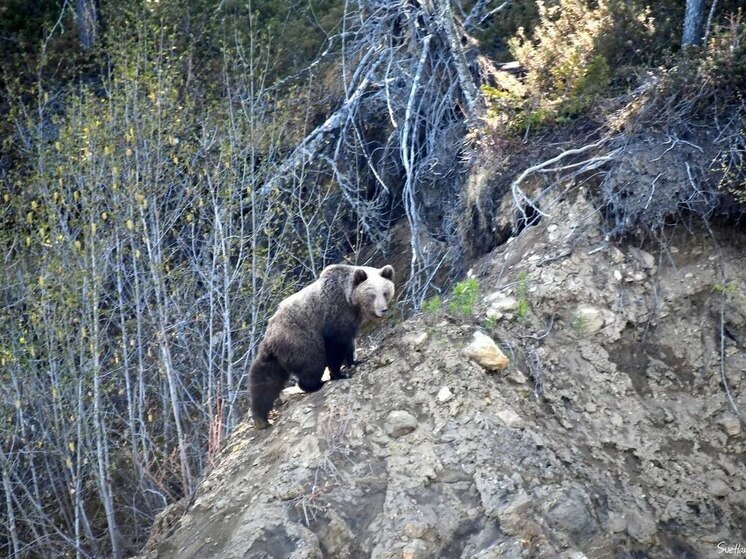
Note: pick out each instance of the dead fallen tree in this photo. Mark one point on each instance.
(661, 154)
(393, 145)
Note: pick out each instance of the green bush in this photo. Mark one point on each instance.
(724, 65)
(432, 305)
(524, 307)
(464, 297)
(562, 47)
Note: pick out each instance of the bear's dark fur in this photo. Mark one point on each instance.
(314, 329)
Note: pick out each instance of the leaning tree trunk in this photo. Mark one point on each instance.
(693, 23)
(87, 20)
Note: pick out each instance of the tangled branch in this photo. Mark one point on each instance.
(392, 146)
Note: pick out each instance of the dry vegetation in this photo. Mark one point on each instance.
(163, 191)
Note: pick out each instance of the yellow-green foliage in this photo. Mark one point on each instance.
(725, 60)
(130, 225)
(432, 305)
(725, 67)
(564, 70)
(464, 297)
(524, 307)
(563, 45)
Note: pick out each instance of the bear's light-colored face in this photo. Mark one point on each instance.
(373, 290)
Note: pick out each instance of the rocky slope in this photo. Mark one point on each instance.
(609, 434)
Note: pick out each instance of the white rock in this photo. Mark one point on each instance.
(399, 423)
(641, 526)
(444, 394)
(500, 301)
(731, 424)
(500, 304)
(495, 315)
(617, 275)
(510, 418)
(718, 487)
(517, 377)
(485, 352)
(645, 259)
(591, 318)
(505, 304)
(415, 340)
(617, 256)
(416, 549)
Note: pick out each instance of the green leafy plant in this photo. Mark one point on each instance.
(580, 324)
(524, 307)
(560, 51)
(464, 297)
(565, 72)
(522, 310)
(731, 287)
(432, 305)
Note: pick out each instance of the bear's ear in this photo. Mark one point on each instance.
(387, 272)
(359, 277)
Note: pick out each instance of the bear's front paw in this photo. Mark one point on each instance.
(353, 363)
(260, 423)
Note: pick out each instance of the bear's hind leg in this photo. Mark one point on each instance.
(309, 371)
(267, 380)
(304, 357)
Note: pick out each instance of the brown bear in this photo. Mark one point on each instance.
(314, 329)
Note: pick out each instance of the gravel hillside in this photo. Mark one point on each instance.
(609, 434)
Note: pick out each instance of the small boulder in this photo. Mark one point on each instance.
(510, 418)
(399, 423)
(567, 512)
(515, 516)
(485, 352)
(718, 488)
(337, 536)
(444, 394)
(415, 340)
(591, 318)
(645, 259)
(731, 424)
(416, 549)
(641, 527)
(517, 377)
(500, 304)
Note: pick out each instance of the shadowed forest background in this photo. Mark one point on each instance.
(170, 171)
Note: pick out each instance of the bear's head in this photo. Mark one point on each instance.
(372, 290)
